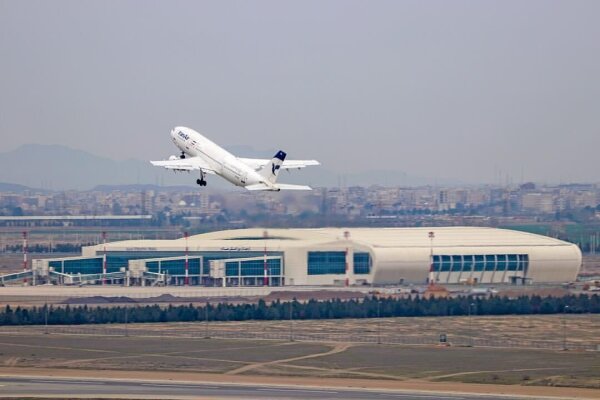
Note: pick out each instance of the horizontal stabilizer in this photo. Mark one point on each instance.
(260, 186)
(285, 186)
(297, 164)
(256, 163)
(277, 187)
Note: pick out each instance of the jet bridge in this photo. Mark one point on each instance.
(80, 279)
(248, 271)
(167, 270)
(16, 277)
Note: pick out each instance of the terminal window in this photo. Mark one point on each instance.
(175, 267)
(326, 262)
(480, 262)
(253, 268)
(362, 263)
(91, 265)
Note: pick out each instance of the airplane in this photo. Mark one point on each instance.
(201, 154)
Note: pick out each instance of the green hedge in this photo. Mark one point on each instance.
(368, 307)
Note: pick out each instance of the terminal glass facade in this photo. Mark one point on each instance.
(253, 268)
(175, 267)
(77, 266)
(334, 262)
(198, 262)
(117, 259)
(326, 262)
(480, 262)
(362, 263)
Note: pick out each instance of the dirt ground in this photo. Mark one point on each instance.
(538, 331)
(314, 361)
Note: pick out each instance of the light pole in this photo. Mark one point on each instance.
(104, 265)
(291, 321)
(431, 276)
(206, 321)
(187, 262)
(471, 325)
(378, 322)
(265, 263)
(126, 319)
(46, 319)
(564, 324)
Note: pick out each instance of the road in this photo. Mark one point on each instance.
(50, 292)
(48, 386)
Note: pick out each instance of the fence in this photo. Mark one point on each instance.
(295, 333)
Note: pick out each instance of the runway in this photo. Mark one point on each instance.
(55, 387)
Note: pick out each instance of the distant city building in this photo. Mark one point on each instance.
(355, 203)
(538, 202)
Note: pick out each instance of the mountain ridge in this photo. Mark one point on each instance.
(59, 167)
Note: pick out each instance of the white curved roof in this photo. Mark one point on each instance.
(389, 237)
(397, 253)
(375, 238)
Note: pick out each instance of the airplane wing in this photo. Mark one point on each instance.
(276, 187)
(257, 164)
(185, 164)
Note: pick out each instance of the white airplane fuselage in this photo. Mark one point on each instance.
(225, 164)
(198, 153)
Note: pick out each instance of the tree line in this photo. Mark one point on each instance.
(48, 247)
(368, 307)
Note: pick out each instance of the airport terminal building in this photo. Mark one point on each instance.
(326, 256)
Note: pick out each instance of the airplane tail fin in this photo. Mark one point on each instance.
(271, 169)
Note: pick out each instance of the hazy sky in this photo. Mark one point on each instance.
(444, 89)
